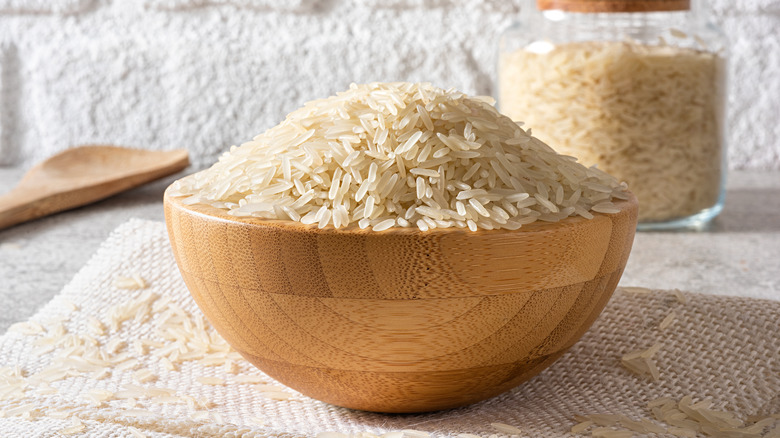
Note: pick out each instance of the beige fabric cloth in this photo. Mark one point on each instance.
(721, 347)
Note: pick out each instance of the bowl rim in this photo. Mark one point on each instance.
(213, 213)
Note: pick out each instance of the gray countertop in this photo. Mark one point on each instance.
(738, 255)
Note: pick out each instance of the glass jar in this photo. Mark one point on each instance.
(636, 87)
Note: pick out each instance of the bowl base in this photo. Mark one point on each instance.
(403, 392)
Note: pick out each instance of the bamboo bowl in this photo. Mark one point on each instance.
(399, 320)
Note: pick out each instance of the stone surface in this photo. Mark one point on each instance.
(110, 102)
(207, 74)
(9, 98)
(754, 99)
(279, 5)
(739, 252)
(45, 6)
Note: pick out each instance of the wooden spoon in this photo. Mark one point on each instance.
(82, 175)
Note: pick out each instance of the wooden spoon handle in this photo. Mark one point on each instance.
(20, 205)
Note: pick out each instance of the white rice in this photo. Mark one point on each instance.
(582, 426)
(606, 432)
(683, 418)
(144, 375)
(257, 421)
(276, 395)
(210, 380)
(641, 362)
(650, 115)
(136, 433)
(506, 428)
(387, 155)
(72, 430)
(667, 321)
(132, 282)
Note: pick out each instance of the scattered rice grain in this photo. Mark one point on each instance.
(506, 428)
(667, 321)
(210, 380)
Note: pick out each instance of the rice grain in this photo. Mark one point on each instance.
(431, 149)
(630, 108)
(506, 428)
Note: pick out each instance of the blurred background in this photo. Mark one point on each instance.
(208, 74)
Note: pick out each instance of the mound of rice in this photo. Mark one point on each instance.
(387, 155)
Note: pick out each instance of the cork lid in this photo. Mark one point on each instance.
(614, 5)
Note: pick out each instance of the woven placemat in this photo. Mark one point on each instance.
(74, 369)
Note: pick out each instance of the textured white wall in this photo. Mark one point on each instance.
(206, 74)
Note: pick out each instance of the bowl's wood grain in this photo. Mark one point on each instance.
(399, 320)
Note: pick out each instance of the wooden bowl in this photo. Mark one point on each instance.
(399, 320)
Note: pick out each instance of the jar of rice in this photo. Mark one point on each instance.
(636, 87)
